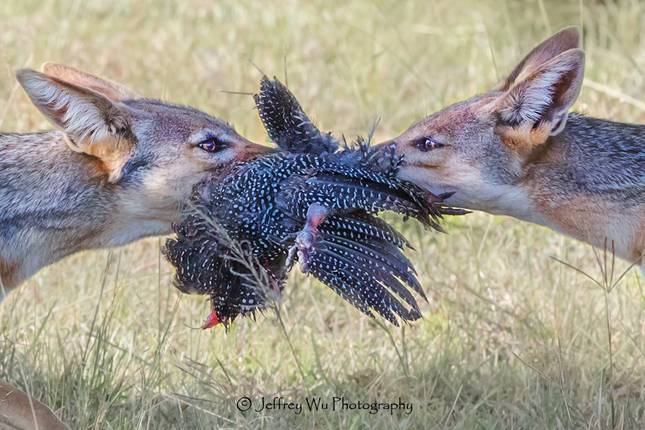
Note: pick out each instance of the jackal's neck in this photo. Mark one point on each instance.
(589, 182)
(44, 184)
(53, 202)
(593, 156)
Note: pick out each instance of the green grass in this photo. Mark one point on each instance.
(511, 338)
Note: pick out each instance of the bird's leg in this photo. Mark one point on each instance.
(304, 243)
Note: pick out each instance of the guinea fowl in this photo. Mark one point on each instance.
(308, 202)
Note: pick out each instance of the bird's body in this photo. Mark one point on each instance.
(317, 208)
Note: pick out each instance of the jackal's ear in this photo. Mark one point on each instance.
(564, 40)
(537, 106)
(111, 90)
(94, 124)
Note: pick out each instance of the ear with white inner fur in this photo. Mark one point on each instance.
(94, 125)
(538, 105)
(111, 90)
(564, 40)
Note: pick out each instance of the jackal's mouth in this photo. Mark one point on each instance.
(419, 164)
(419, 175)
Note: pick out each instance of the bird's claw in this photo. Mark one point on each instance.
(304, 243)
(303, 248)
(291, 258)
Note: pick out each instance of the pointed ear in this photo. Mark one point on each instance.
(111, 90)
(564, 40)
(537, 106)
(93, 124)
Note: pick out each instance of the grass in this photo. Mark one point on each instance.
(511, 339)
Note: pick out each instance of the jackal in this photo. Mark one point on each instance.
(117, 169)
(517, 151)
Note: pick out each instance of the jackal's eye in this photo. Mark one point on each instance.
(211, 144)
(428, 144)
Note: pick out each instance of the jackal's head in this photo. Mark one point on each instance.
(479, 148)
(152, 153)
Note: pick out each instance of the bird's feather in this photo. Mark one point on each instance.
(287, 124)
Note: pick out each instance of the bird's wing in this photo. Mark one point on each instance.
(368, 273)
(350, 250)
(287, 124)
(346, 194)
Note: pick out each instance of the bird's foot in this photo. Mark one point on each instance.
(304, 244)
(303, 247)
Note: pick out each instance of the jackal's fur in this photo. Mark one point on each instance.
(516, 151)
(118, 169)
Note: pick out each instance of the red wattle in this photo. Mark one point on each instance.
(211, 321)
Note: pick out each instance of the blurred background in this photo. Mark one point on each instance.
(511, 337)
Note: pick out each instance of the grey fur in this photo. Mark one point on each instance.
(605, 158)
(55, 202)
(516, 151)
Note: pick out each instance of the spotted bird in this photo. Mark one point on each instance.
(314, 202)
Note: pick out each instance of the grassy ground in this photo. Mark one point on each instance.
(511, 338)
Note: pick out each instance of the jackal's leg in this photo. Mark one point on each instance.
(11, 276)
(18, 410)
(8, 283)
(304, 245)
